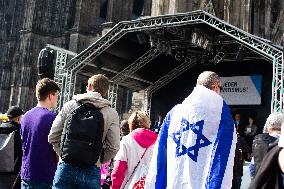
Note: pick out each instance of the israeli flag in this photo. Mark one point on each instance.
(196, 145)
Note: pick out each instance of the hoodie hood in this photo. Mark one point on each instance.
(94, 98)
(144, 137)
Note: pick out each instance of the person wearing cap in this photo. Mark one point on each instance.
(14, 115)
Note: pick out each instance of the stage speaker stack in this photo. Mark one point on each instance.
(45, 63)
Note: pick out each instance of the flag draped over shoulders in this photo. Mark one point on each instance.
(196, 145)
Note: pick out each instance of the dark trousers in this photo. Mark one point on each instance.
(236, 183)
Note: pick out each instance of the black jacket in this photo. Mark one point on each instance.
(241, 148)
(9, 127)
(269, 173)
(262, 144)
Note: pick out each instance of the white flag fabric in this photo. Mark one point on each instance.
(196, 145)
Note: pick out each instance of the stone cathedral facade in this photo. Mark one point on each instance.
(26, 26)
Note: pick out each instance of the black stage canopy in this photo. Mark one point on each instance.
(147, 54)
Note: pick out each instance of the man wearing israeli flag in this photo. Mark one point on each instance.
(196, 145)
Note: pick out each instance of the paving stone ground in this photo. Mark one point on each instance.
(7, 179)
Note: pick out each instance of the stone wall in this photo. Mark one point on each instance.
(263, 18)
(26, 26)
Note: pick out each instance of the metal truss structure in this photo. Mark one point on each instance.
(251, 42)
(136, 65)
(186, 65)
(113, 94)
(60, 62)
(129, 70)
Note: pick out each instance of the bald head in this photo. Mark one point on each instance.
(208, 79)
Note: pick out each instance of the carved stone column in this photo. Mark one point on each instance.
(267, 19)
(119, 10)
(147, 8)
(259, 17)
(160, 7)
(246, 15)
(78, 42)
(4, 89)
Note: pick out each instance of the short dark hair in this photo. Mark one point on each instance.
(44, 87)
(124, 127)
(100, 83)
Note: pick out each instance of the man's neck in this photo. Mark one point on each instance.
(43, 104)
(14, 121)
(274, 134)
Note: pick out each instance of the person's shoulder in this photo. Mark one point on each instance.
(264, 136)
(50, 114)
(41, 113)
(110, 111)
(70, 106)
(127, 140)
(71, 103)
(276, 150)
(30, 113)
(261, 135)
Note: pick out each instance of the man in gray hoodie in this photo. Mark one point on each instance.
(68, 176)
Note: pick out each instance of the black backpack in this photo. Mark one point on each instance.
(82, 143)
(262, 143)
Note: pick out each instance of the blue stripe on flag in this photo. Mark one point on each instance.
(221, 150)
(161, 177)
(256, 79)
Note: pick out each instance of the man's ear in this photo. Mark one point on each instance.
(90, 87)
(105, 93)
(215, 88)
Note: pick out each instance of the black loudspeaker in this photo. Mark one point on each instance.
(45, 63)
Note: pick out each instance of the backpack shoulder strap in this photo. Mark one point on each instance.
(135, 168)
(78, 102)
(66, 125)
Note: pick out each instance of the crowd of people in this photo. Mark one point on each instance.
(197, 145)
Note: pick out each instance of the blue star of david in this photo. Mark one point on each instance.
(201, 140)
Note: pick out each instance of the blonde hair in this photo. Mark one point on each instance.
(139, 119)
(100, 83)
